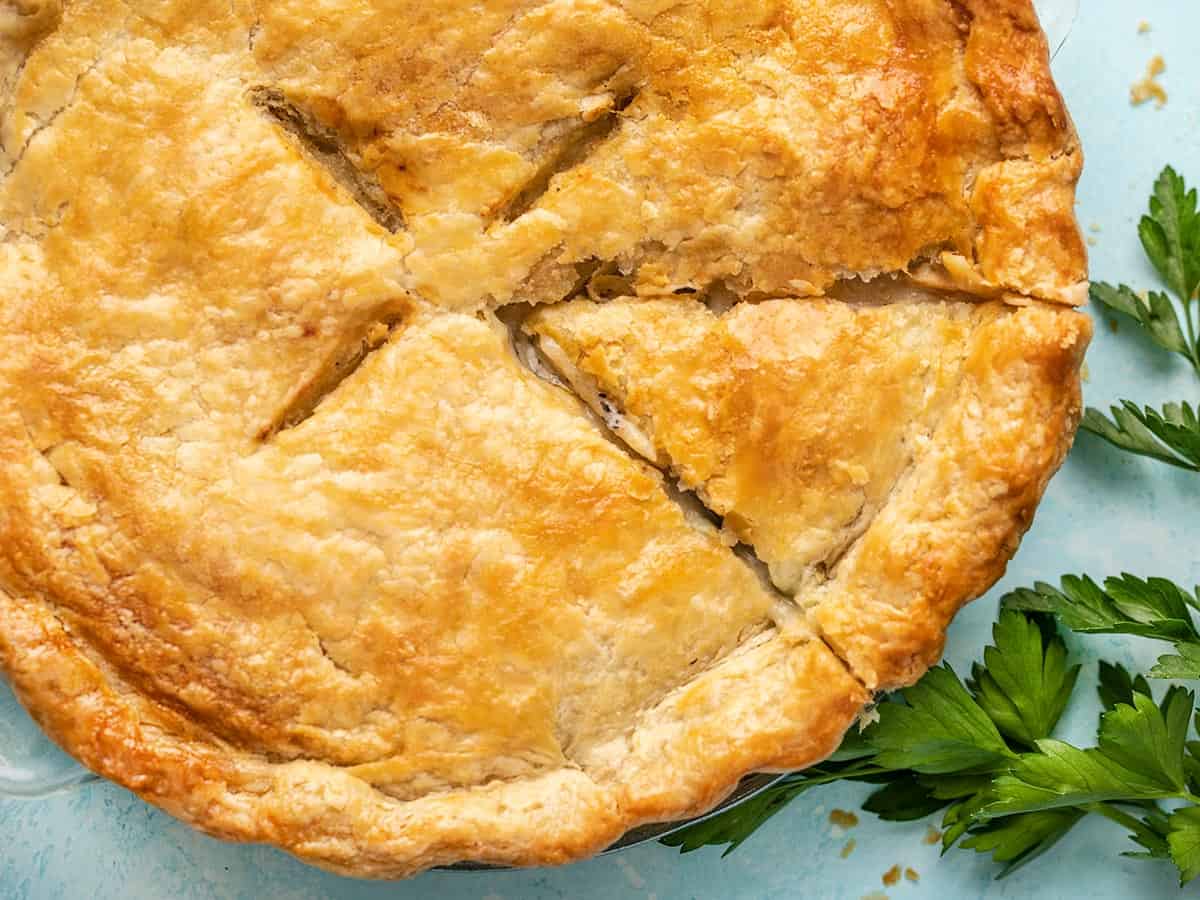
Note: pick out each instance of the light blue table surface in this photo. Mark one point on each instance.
(1105, 513)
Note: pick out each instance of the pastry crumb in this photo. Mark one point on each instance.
(912, 875)
(1092, 242)
(849, 848)
(875, 895)
(1085, 374)
(932, 836)
(1143, 27)
(867, 718)
(892, 876)
(1148, 88)
(843, 819)
(1114, 326)
(1095, 228)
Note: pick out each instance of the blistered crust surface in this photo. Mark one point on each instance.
(775, 145)
(882, 460)
(956, 518)
(792, 419)
(295, 547)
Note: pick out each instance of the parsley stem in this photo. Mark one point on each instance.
(1193, 343)
(1111, 812)
(848, 774)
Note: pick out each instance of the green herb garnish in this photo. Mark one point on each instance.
(1170, 236)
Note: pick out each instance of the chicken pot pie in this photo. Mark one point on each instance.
(436, 431)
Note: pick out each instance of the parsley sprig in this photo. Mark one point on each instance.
(1170, 235)
(1143, 757)
(981, 753)
(1153, 608)
(1171, 435)
(938, 746)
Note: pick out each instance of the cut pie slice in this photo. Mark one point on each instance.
(792, 419)
(802, 423)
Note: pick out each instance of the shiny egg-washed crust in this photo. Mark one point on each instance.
(956, 519)
(775, 145)
(294, 546)
(333, 819)
(792, 420)
(883, 460)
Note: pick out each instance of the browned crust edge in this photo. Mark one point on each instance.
(957, 519)
(671, 767)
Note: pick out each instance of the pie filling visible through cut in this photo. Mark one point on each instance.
(435, 431)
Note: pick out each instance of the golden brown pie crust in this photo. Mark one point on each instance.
(883, 460)
(293, 542)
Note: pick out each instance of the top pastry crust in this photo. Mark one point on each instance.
(882, 457)
(300, 536)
